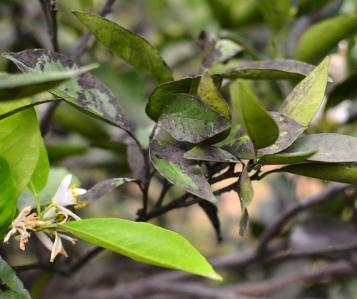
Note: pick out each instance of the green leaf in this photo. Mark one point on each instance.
(103, 187)
(85, 92)
(244, 222)
(258, 124)
(276, 12)
(238, 143)
(39, 177)
(209, 94)
(161, 96)
(16, 86)
(306, 98)
(319, 39)
(289, 131)
(168, 160)
(347, 89)
(328, 147)
(210, 153)
(20, 142)
(142, 242)
(343, 173)
(188, 119)
(279, 69)
(286, 158)
(7, 197)
(245, 189)
(59, 151)
(9, 280)
(131, 47)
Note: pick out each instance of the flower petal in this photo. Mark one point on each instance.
(62, 189)
(70, 213)
(46, 241)
(57, 248)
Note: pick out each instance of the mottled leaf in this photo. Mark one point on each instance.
(343, 173)
(306, 98)
(260, 127)
(131, 47)
(11, 286)
(7, 198)
(279, 69)
(286, 158)
(16, 86)
(188, 119)
(347, 89)
(211, 211)
(319, 39)
(238, 143)
(102, 188)
(85, 93)
(169, 162)
(142, 242)
(210, 153)
(161, 96)
(209, 94)
(289, 131)
(328, 147)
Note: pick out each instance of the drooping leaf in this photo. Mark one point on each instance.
(188, 119)
(142, 242)
(343, 172)
(276, 12)
(347, 89)
(85, 92)
(11, 286)
(209, 94)
(319, 39)
(306, 98)
(260, 127)
(243, 223)
(7, 198)
(279, 69)
(286, 158)
(16, 86)
(102, 188)
(168, 160)
(238, 143)
(161, 96)
(20, 142)
(289, 131)
(245, 189)
(131, 47)
(210, 153)
(211, 211)
(328, 147)
(39, 177)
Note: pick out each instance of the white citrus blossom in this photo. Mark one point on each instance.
(66, 195)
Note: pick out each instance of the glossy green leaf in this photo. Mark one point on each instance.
(343, 173)
(20, 142)
(85, 92)
(319, 39)
(39, 177)
(210, 153)
(289, 131)
(209, 94)
(276, 12)
(279, 69)
(168, 160)
(7, 197)
(286, 158)
(161, 96)
(328, 147)
(261, 128)
(238, 143)
(306, 98)
(131, 47)
(103, 187)
(188, 119)
(347, 89)
(11, 286)
(16, 86)
(142, 242)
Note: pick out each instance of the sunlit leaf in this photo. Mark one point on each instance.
(306, 98)
(142, 242)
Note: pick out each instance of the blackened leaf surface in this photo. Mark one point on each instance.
(168, 160)
(211, 211)
(210, 153)
(85, 92)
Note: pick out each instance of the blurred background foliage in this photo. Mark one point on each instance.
(258, 29)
